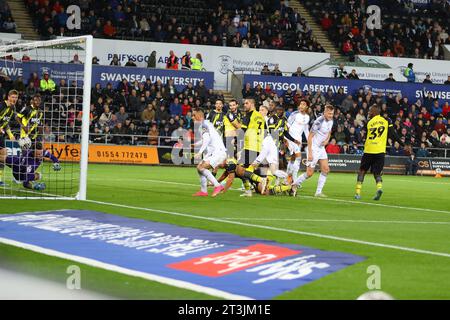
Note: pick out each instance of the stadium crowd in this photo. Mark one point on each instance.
(7, 23)
(250, 23)
(409, 29)
(151, 110)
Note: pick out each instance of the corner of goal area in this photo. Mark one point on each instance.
(219, 264)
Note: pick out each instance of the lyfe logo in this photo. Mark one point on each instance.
(74, 19)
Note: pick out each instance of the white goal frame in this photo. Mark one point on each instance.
(20, 47)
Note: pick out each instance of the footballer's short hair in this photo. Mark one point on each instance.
(13, 92)
(329, 107)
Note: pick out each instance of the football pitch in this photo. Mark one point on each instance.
(406, 234)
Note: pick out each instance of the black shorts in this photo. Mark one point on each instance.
(2, 141)
(373, 162)
(248, 157)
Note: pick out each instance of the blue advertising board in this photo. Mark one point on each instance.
(413, 91)
(221, 264)
(105, 74)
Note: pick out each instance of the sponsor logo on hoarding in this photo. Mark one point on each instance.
(244, 267)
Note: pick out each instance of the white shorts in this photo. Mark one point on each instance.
(269, 152)
(293, 148)
(216, 158)
(318, 153)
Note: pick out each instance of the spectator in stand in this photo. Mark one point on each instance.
(115, 60)
(347, 49)
(440, 127)
(447, 81)
(152, 60)
(396, 150)
(95, 60)
(175, 108)
(332, 147)
(390, 78)
(353, 75)
(446, 109)
(436, 110)
(122, 116)
(186, 61)
(276, 71)
(76, 59)
(265, 71)
(130, 63)
(339, 72)
(172, 61)
(326, 22)
(298, 73)
(153, 134)
(247, 91)
(409, 73)
(427, 79)
(422, 152)
(109, 31)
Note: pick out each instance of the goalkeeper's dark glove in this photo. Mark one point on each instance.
(56, 166)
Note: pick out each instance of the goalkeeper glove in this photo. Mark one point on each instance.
(25, 143)
(56, 166)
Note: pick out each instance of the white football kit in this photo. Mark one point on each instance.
(298, 124)
(321, 129)
(269, 150)
(213, 144)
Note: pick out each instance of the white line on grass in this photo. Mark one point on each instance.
(311, 197)
(337, 220)
(130, 272)
(311, 234)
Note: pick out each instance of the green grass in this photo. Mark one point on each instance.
(404, 274)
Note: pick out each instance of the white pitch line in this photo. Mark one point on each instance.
(304, 233)
(337, 220)
(130, 272)
(312, 197)
(428, 182)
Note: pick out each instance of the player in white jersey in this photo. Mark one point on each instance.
(269, 150)
(298, 124)
(216, 154)
(317, 140)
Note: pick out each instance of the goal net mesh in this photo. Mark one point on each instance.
(42, 159)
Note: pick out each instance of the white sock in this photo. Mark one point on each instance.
(296, 168)
(321, 183)
(203, 183)
(280, 174)
(300, 179)
(289, 167)
(211, 178)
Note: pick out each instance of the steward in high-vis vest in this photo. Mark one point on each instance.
(47, 85)
(409, 73)
(197, 62)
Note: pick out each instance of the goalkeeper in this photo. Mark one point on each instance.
(24, 166)
(30, 118)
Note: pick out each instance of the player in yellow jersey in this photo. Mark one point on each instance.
(216, 117)
(7, 110)
(232, 122)
(253, 125)
(378, 131)
(30, 119)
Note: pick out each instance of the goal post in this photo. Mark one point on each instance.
(62, 119)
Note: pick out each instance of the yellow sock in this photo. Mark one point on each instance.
(247, 185)
(1, 174)
(255, 178)
(379, 185)
(250, 168)
(358, 188)
(279, 189)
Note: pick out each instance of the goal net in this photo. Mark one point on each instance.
(44, 142)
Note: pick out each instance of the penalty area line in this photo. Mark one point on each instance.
(304, 233)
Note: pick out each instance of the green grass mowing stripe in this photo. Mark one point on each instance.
(447, 255)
